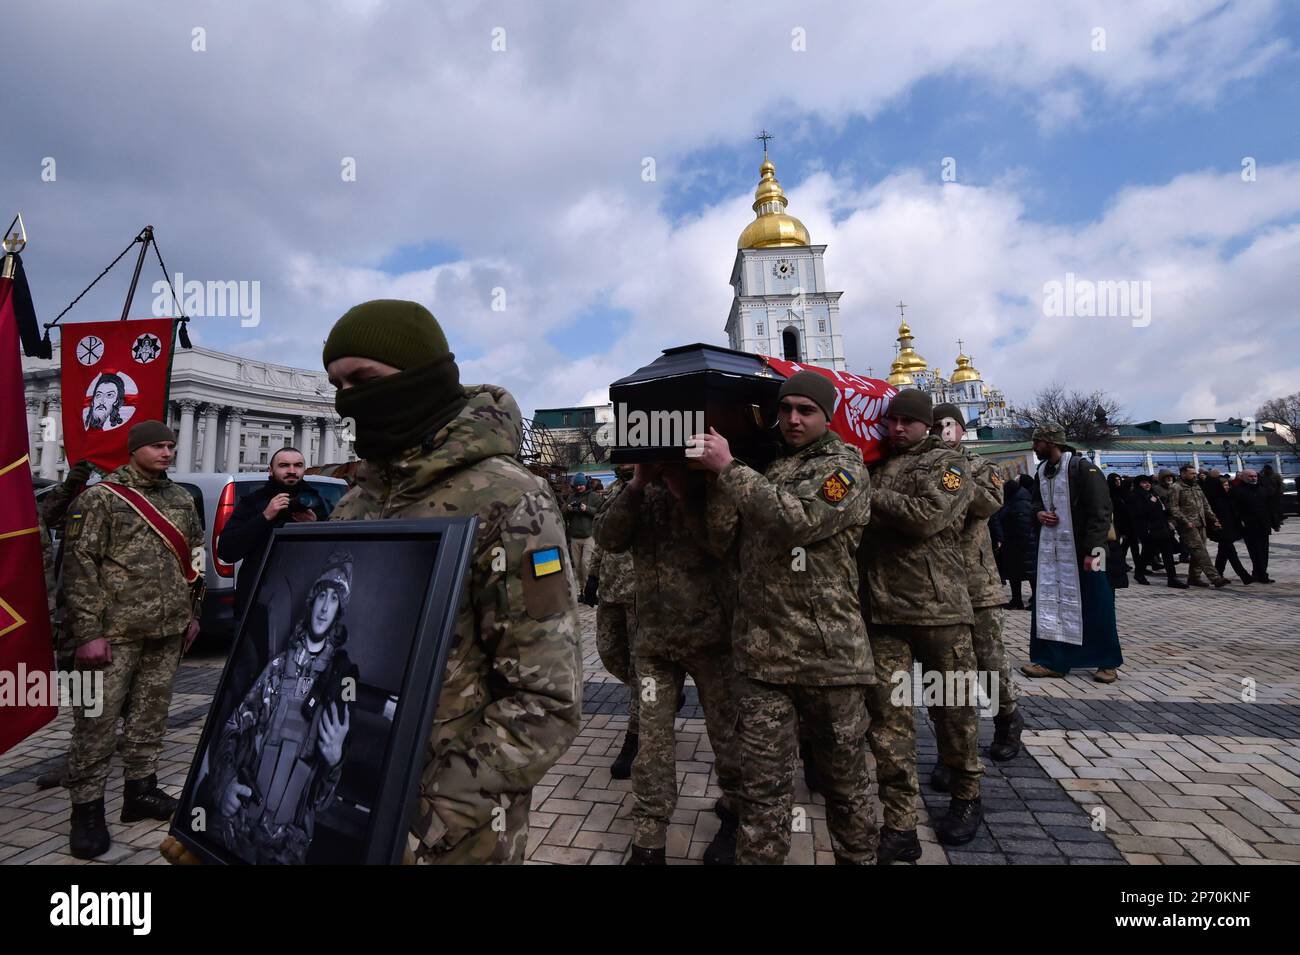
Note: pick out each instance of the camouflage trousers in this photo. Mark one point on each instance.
(991, 656)
(580, 553)
(615, 636)
(138, 688)
(942, 650)
(654, 771)
(833, 720)
(1200, 562)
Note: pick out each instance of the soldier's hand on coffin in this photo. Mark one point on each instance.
(235, 794)
(333, 732)
(96, 653)
(711, 450)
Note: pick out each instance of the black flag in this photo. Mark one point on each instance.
(34, 345)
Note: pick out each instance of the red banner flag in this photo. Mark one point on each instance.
(25, 644)
(114, 374)
(860, 404)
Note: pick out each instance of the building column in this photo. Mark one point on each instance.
(33, 426)
(185, 437)
(234, 424)
(330, 447)
(1151, 465)
(300, 438)
(1196, 460)
(1031, 461)
(210, 414)
(1277, 462)
(50, 447)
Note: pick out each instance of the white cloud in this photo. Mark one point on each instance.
(528, 162)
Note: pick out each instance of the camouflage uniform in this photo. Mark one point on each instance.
(920, 609)
(616, 618)
(1192, 514)
(511, 698)
(800, 645)
(983, 580)
(54, 509)
(123, 583)
(680, 631)
(578, 526)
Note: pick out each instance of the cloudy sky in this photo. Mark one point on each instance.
(503, 146)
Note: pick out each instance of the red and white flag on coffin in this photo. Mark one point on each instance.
(114, 375)
(860, 404)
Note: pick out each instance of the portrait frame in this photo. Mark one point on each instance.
(395, 775)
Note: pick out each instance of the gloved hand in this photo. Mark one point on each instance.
(589, 595)
(79, 473)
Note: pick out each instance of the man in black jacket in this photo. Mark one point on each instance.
(1252, 507)
(248, 532)
(1151, 524)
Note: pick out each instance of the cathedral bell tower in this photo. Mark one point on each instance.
(781, 306)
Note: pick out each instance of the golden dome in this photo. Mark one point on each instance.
(772, 228)
(908, 360)
(899, 378)
(965, 371)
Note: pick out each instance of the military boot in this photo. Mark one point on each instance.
(89, 835)
(641, 856)
(143, 799)
(941, 778)
(722, 850)
(622, 768)
(1006, 736)
(897, 845)
(961, 823)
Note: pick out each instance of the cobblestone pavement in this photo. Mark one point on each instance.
(1193, 756)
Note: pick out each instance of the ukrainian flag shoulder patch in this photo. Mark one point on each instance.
(546, 562)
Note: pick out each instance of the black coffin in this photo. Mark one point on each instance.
(693, 388)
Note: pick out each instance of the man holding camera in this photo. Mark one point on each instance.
(248, 532)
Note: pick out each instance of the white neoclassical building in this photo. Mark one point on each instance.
(229, 413)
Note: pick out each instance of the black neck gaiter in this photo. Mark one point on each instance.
(394, 413)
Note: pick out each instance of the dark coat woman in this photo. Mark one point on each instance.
(1149, 519)
(1018, 553)
(1230, 530)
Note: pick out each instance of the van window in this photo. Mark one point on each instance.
(198, 501)
(329, 492)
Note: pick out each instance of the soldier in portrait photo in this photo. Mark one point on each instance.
(107, 398)
(278, 759)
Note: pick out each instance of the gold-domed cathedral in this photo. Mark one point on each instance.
(981, 404)
(781, 306)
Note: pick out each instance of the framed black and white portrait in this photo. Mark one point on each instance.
(318, 731)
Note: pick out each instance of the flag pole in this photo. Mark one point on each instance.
(144, 238)
(14, 242)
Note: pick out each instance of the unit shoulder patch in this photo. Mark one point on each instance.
(952, 478)
(73, 523)
(545, 586)
(836, 487)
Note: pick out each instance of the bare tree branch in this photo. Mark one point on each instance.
(1284, 411)
(1089, 419)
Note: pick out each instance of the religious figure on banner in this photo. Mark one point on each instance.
(107, 407)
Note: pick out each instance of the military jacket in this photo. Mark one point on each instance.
(511, 698)
(674, 575)
(614, 570)
(983, 580)
(120, 580)
(912, 552)
(797, 618)
(1188, 506)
